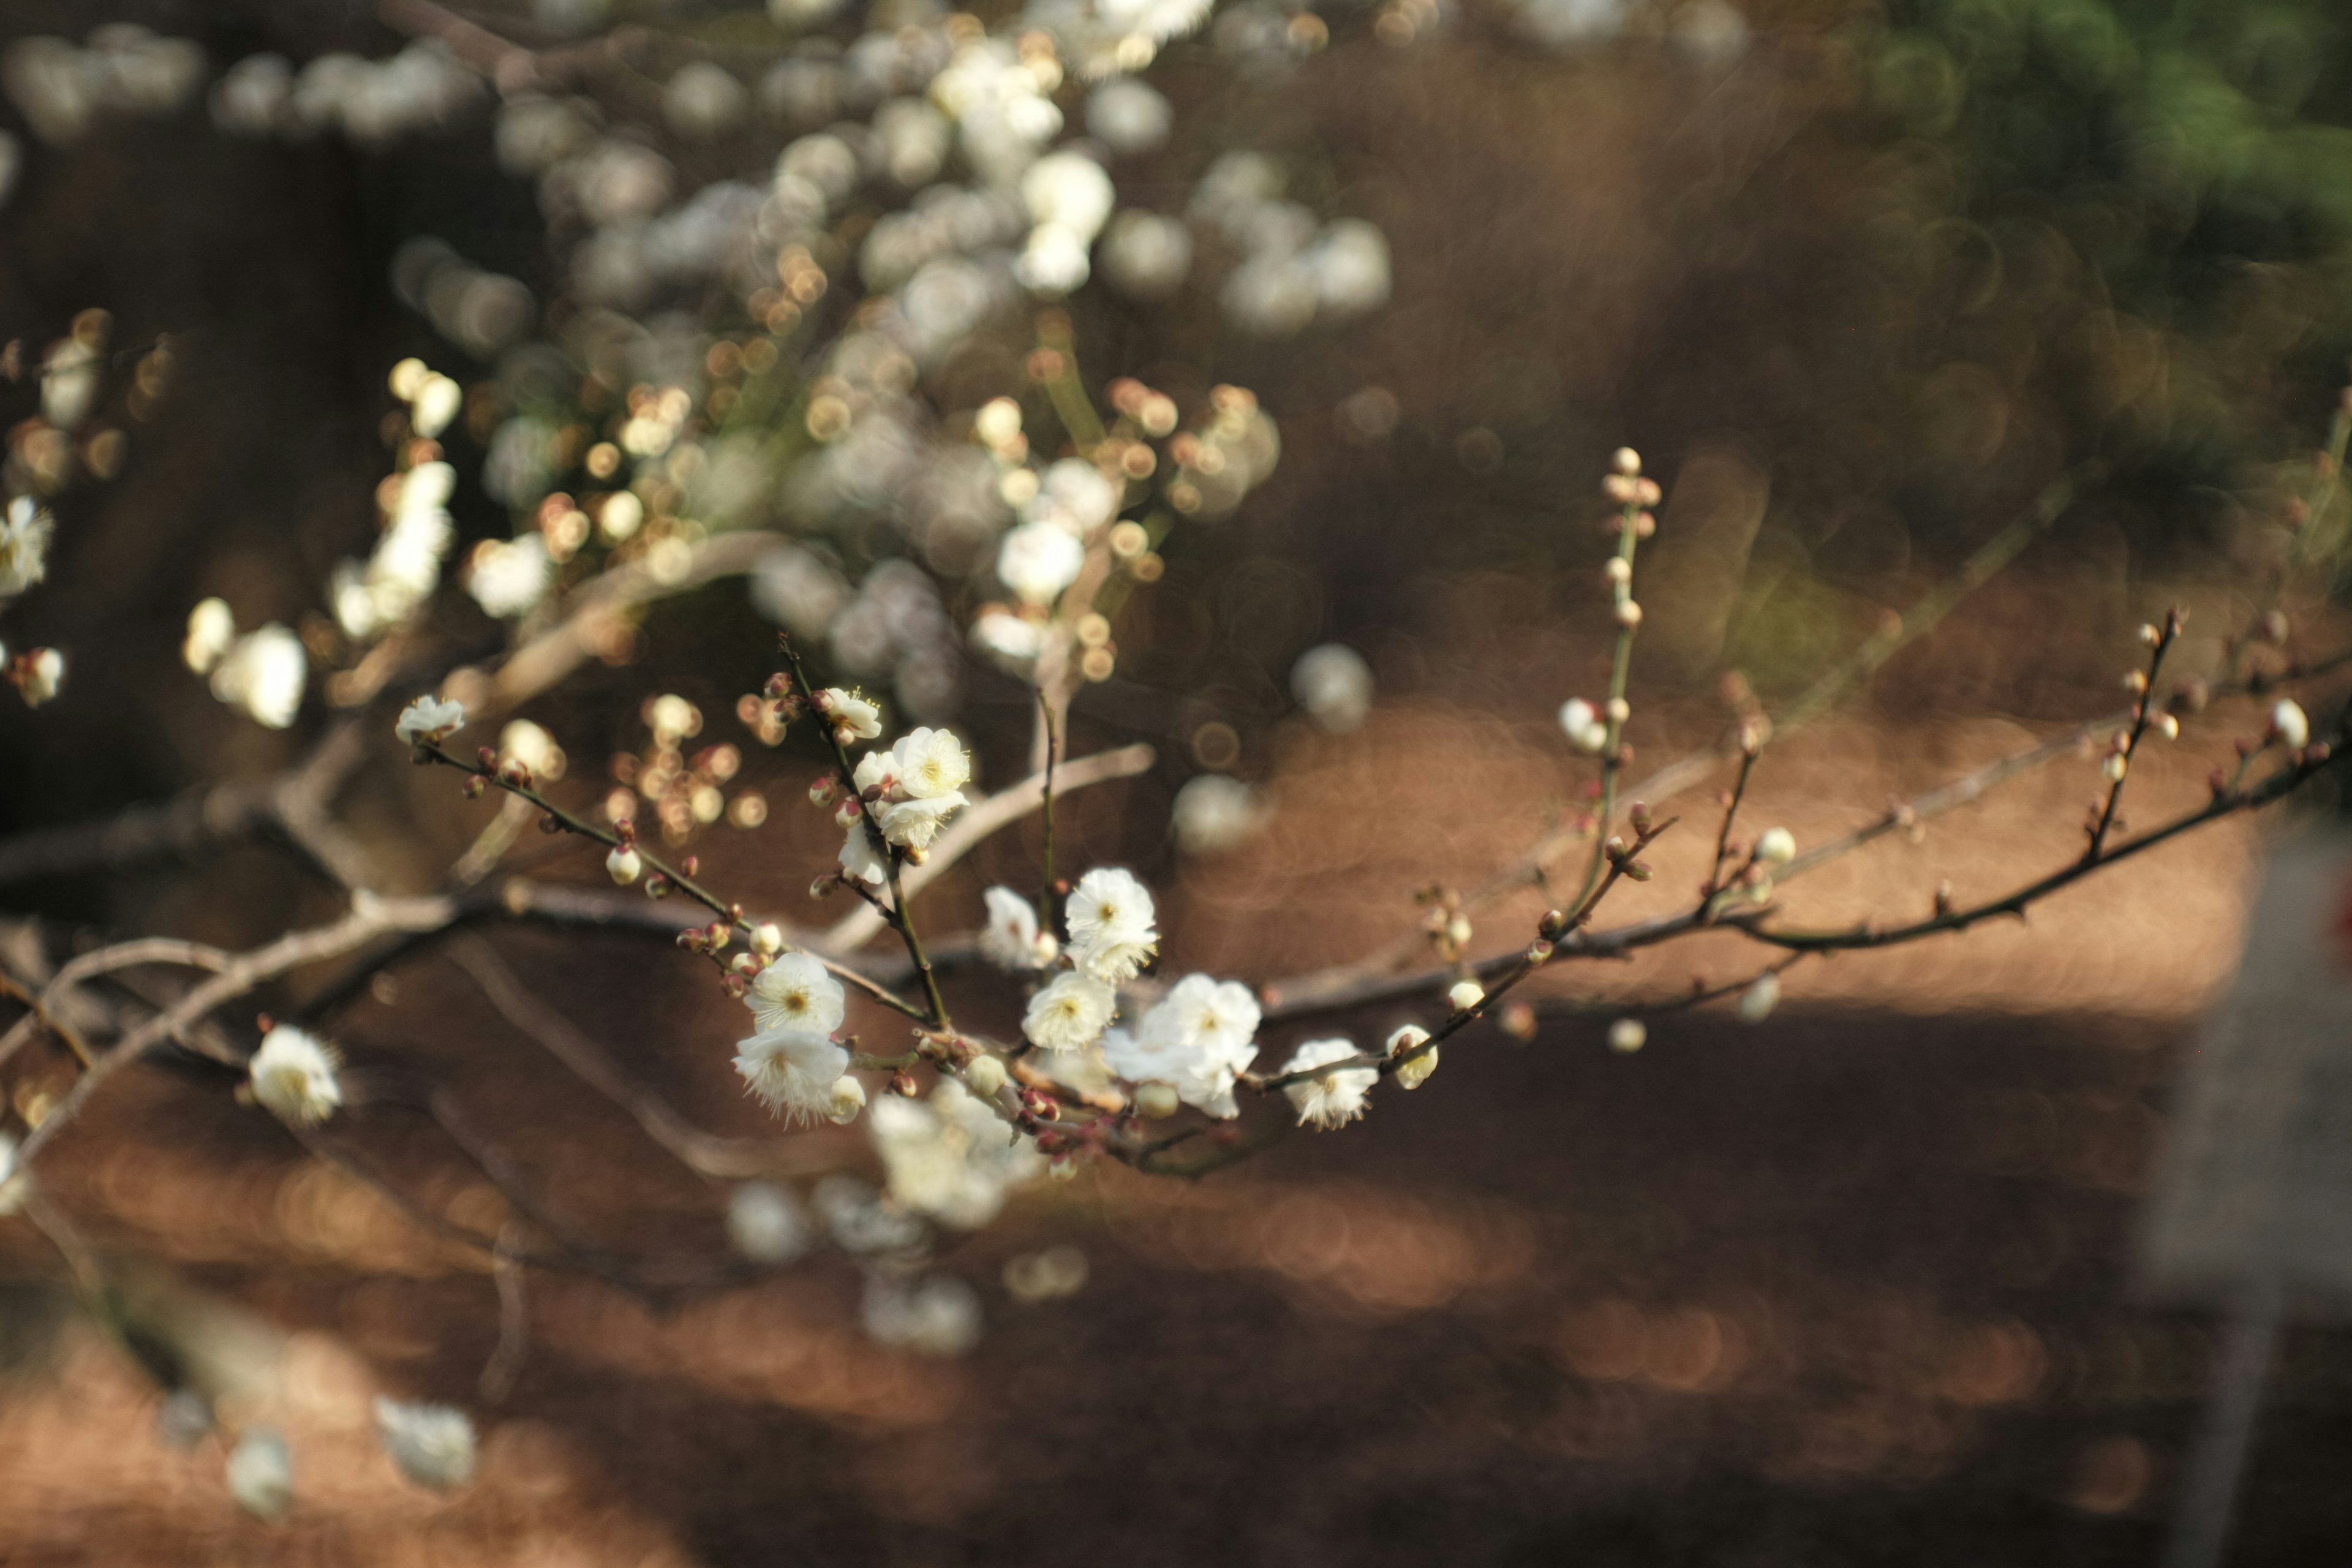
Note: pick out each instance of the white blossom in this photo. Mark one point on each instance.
(1072, 1011)
(1213, 814)
(938, 1315)
(525, 743)
(766, 1222)
(432, 1444)
(859, 857)
(1011, 939)
(873, 773)
(212, 627)
(429, 719)
(1763, 995)
(1465, 994)
(847, 1099)
(1416, 1072)
(1328, 1099)
(853, 715)
(623, 864)
(1069, 191)
(1584, 725)
(797, 992)
(265, 673)
(1038, 559)
(931, 765)
(1776, 846)
(793, 1070)
(1110, 918)
(915, 823)
(1334, 684)
(292, 1076)
(261, 1474)
(509, 579)
(1199, 1037)
(437, 402)
(949, 1157)
(24, 533)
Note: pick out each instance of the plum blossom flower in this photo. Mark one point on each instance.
(847, 1099)
(793, 1070)
(913, 824)
(1330, 1098)
(1071, 1012)
(1199, 1037)
(432, 1444)
(796, 992)
(931, 764)
(264, 673)
(859, 857)
(292, 1077)
(429, 719)
(509, 579)
(1777, 846)
(212, 627)
(24, 533)
(1011, 939)
(1111, 917)
(1414, 1073)
(1586, 730)
(261, 1474)
(854, 716)
(2290, 726)
(1038, 559)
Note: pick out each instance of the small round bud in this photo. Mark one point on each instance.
(985, 1076)
(716, 936)
(768, 939)
(848, 1099)
(1518, 1021)
(1618, 709)
(1644, 524)
(903, 1084)
(1465, 994)
(1647, 492)
(1619, 570)
(1457, 930)
(779, 685)
(2115, 766)
(657, 886)
(824, 885)
(1157, 1100)
(2168, 726)
(475, 787)
(2289, 726)
(823, 790)
(1627, 1035)
(2135, 681)
(746, 964)
(1777, 846)
(1763, 995)
(1629, 614)
(623, 864)
(2150, 634)
(1626, 461)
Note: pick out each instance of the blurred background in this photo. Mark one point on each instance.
(1860, 282)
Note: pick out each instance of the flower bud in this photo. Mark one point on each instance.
(1629, 614)
(823, 790)
(2115, 766)
(1627, 1035)
(2289, 727)
(2150, 634)
(848, 1100)
(1518, 1021)
(1626, 461)
(768, 939)
(1756, 1004)
(1619, 710)
(1414, 1073)
(985, 1076)
(623, 863)
(824, 885)
(746, 964)
(1647, 492)
(1619, 570)
(903, 1085)
(1777, 846)
(2168, 726)
(1157, 1100)
(1465, 994)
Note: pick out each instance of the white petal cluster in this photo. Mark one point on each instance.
(861, 857)
(1011, 939)
(432, 1444)
(212, 628)
(1330, 1098)
(1416, 1072)
(766, 1222)
(429, 719)
(370, 599)
(292, 1077)
(794, 1071)
(1038, 559)
(509, 579)
(1069, 1013)
(2290, 725)
(949, 1157)
(917, 786)
(796, 992)
(24, 533)
(855, 716)
(1111, 923)
(938, 1315)
(264, 672)
(1586, 729)
(261, 1474)
(1200, 1036)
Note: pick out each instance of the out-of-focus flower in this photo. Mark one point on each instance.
(1586, 730)
(861, 858)
(1763, 995)
(2289, 726)
(261, 1474)
(1414, 1073)
(432, 1444)
(949, 1157)
(1070, 1012)
(793, 1070)
(1776, 846)
(1334, 684)
(1011, 939)
(1330, 1098)
(704, 100)
(212, 627)
(1195, 1040)
(264, 673)
(1128, 116)
(1038, 559)
(39, 674)
(797, 992)
(292, 1077)
(913, 824)
(1112, 923)
(1069, 191)
(1628, 1035)
(848, 1098)
(428, 719)
(766, 1222)
(525, 743)
(1349, 264)
(24, 533)
(1213, 814)
(938, 1315)
(1146, 256)
(509, 579)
